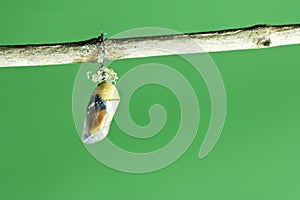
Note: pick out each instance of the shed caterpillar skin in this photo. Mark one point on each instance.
(101, 108)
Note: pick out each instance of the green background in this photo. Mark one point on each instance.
(257, 156)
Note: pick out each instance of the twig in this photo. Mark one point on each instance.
(260, 36)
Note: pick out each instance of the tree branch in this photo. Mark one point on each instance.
(260, 36)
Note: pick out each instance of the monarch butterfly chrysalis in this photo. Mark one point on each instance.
(101, 108)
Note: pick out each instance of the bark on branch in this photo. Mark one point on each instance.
(260, 36)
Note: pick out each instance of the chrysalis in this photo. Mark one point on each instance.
(100, 111)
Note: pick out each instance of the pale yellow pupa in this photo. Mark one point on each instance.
(101, 108)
